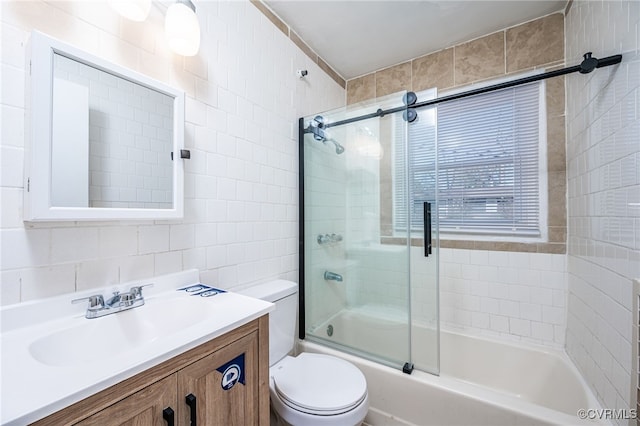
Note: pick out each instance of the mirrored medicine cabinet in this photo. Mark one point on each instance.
(103, 142)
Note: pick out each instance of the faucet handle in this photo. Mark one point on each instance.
(95, 301)
(136, 291)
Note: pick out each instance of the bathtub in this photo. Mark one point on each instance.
(481, 382)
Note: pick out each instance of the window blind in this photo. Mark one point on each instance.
(488, 164)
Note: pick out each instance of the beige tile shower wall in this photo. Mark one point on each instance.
(603, 147)
(241, 184)
(535, 44)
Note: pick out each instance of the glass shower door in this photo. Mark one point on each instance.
(422, 169)
(356, 271)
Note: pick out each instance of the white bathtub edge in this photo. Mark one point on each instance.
(471, 391)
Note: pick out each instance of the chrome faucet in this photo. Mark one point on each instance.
(113, 300)
(98, 307)
(329, 238)
(332, 276)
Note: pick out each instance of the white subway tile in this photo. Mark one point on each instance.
(519, 260)
(11, 208)
(217, 120)
(508, 275)
(48, 281)
(470, 272)
(499, 323)
(542, 331)
(12, 135)
(13, 93)
(153, 239)
(509, 308)
(479, 288)
(181, 237)
(227, 101)
(531, 311)
(228, 275)
(194, 258)
(480, 320)
(478, 257)
(11, 161)
(73, 244)
(542, 296)
(499, 291)
(559, 298)
(10, 288)
(519, 327)
(541, 261)
(206, 187)
(167, 262)
(553, 279)
(97, 273)
(227, 233)
(216, 210)
(519, 293)
(553, 315)
(226, 189)
(118, 241)
(498, 258)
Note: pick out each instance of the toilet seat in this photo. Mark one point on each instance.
(320, 385)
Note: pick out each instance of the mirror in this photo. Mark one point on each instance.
(105, 141)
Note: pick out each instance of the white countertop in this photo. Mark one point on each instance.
(31, 389)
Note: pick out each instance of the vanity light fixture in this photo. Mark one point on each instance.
(182, 28)
(135, 10)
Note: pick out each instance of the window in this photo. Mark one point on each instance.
(490, 169)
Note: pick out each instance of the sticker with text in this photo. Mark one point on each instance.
(232, 372)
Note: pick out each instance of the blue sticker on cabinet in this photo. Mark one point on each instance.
(232, 372)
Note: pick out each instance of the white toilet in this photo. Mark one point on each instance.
(310, 389)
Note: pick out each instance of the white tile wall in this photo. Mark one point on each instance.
(603, 146)
(243, 102)
(517, 296)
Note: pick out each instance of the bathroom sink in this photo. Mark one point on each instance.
(57, 357)
(90, 340)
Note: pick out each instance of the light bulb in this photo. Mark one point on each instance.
(182, 28)
(136, 10)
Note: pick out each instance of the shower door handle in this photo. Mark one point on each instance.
(426, 218)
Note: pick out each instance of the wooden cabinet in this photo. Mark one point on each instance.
(142, 408)
(222, 382)
(204, 382)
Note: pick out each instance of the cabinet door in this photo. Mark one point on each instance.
(143, 408)
(216, 384)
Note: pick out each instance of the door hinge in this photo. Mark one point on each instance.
(28, 184)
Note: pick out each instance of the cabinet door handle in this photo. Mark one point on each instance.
(168, 415)
(191, 402)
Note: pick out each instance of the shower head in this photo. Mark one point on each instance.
(317, 128)
(339, 148)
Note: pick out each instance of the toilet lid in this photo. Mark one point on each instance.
(320, 384)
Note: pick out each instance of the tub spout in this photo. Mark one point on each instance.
(332, 276)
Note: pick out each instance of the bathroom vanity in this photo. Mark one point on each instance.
(185, 388)
(178, 359)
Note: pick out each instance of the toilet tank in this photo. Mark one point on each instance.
(282, 320)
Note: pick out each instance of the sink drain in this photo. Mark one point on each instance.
(329, 330)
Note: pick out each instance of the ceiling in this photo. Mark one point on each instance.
(358, 37)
